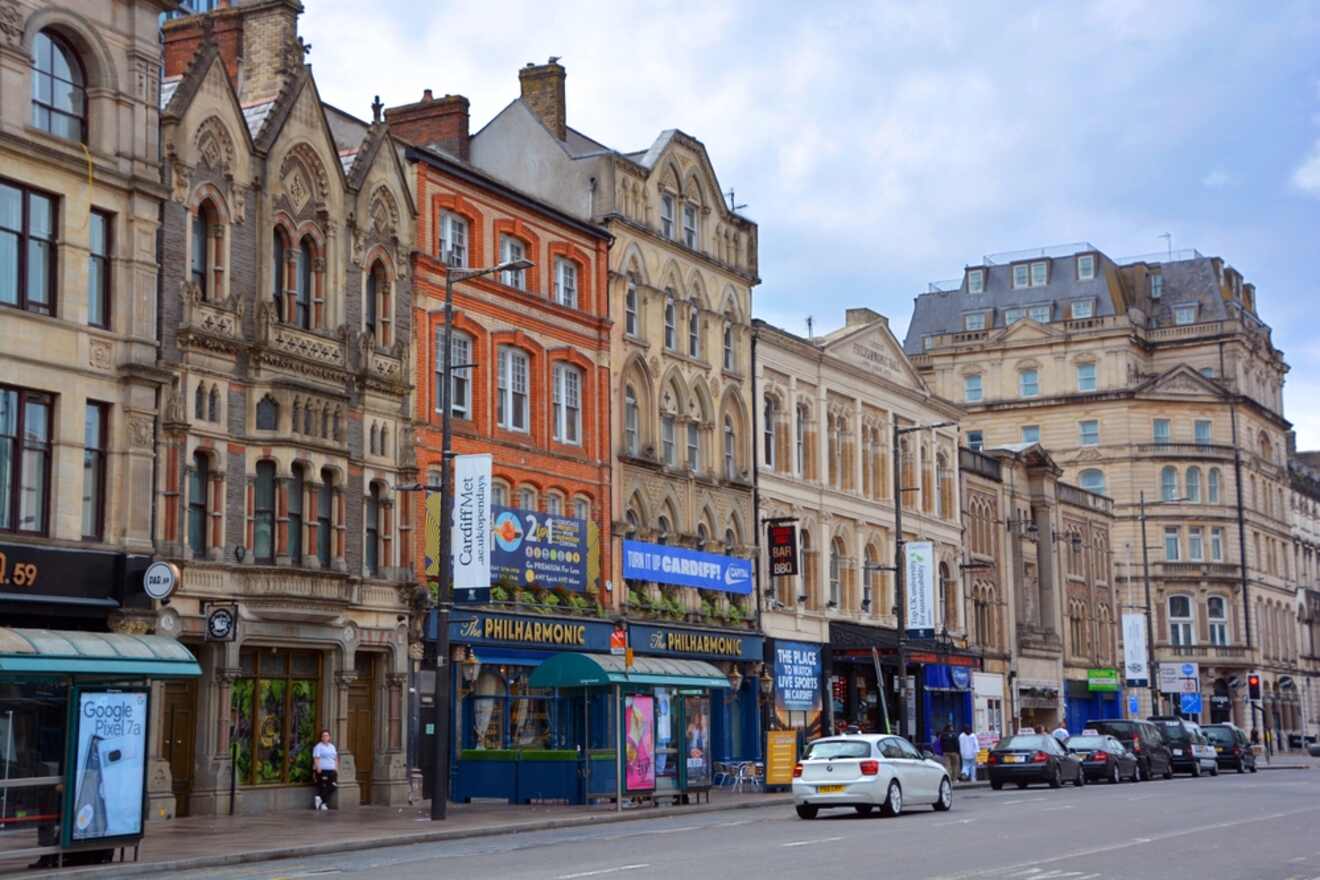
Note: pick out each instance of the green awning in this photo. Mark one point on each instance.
(65, 652)
(568, 669)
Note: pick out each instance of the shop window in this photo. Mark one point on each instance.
(274, 716)
(503, 711)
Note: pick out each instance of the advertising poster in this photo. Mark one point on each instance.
(639, 749)
(470, 534)
(110, 766)
(530, 548)
(682, 567)
(780, 757)
(797, 676)
(697, 741)
(920, 584)
(1135, 669)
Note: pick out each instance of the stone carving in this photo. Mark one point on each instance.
(214, 145)
(100, 354)
(315, 183)
(140, 431)
(180, 174)
(11, 24)
(384, 214)
(130, 624)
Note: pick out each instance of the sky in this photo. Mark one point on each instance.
(882, 146)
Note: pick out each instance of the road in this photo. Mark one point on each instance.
(1253, 827)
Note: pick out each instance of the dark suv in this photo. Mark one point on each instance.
(1143, 739)
(1232, 747)
(1184, 741)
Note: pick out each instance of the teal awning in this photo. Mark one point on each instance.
(64, 652)
(568, 669)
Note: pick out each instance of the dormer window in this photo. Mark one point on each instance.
(974, 321)
(1012, 316)
(927, 342)
(1020, 277)
(976, 281)
(1085, 267)
(1083, 308)
(1156, 286)
(1040, 314)
(1185, 314)
(1039, 273)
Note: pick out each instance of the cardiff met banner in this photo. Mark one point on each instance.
(109, 776)
(686, 568)
(920, 583)
(470, 534)
(1136, 671)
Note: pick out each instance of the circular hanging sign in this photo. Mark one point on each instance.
(220, 625)
(161, 579)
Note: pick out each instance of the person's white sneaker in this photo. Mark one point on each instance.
(317, 804)
(325, 806)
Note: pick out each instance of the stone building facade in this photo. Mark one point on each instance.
(1304, 514)
(286, 319)
(1151, 377)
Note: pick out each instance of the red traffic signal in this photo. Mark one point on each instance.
(1253, 686)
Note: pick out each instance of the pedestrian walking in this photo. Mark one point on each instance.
(968, 748)
(325, 770)
(1061, 733)
(949, 748)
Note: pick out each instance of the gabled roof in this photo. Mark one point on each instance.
(177, 93)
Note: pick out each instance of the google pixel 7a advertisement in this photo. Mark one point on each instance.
(110, 765)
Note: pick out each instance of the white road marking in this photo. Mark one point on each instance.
(810, 842)
(1296, 860)
(955, 822)
(613, 870)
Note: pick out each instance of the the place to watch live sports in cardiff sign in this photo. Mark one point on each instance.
(529, 548)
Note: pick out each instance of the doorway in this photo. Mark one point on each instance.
(179, 739)
(361, 721)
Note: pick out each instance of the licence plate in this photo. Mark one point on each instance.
(1219, 749)
(829, 789)
(1083, 756)
(1014, 759)
(1177, 753)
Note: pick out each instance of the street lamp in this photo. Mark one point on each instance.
(1150, 621)
(440, 764)
(898, 561)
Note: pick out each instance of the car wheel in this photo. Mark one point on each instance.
(1214, 771)
(997, 786)
(1168, 771)
(863, 809)
(806, 811)
(1081, 777)
(945, 799)
(1021, 785)
(893, 804)
(1253, 766)
(1113, 774)
(1056, 781)
(1196, 770)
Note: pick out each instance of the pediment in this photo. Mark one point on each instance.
(1026, 330)
(1181, 381)
(873, 349)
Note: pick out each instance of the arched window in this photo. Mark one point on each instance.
(378, 304)
(279, 272)
(582, 508)
(1212, 486)
(668, 449)
(630, 418)
(730, 362)
(948, 598)
(1092, 480)
(1194, 484)
(295, 502)
(199, 480)
(1180, 621)
(1216, 611)
(372, 517)
(694, 329)
(663, 529)
(554, 504)
(203, 258)
(59, 88)
(1169, 483)
(499, 494)
(730, 450)
(213, 405)
(199, 402)
(263, 514)
(670, 328)
(630, 325)
(527, 498)
(768, 428)
(372, 444)
(836, 562)
(305, 283)
(268, 414)
(807, 576)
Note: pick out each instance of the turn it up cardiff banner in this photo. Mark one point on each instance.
(682, 567)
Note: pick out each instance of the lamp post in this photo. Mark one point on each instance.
(440, 764)
(898, 562)
(1150, 619)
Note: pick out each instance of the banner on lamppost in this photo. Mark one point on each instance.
(920, 559)
(470, 536)
(1136, 671)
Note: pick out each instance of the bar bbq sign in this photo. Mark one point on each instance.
(783, 551)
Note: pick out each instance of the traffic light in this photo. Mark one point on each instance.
(1253, 686)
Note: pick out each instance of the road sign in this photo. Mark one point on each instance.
(1190, 704)
(1180, 678)
(1134, 705)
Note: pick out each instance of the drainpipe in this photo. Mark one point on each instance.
(1241, 523)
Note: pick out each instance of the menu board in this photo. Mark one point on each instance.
(780, 756)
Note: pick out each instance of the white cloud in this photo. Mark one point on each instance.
(1217, 178)
(1306, 177)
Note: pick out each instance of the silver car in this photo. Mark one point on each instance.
(865, 771)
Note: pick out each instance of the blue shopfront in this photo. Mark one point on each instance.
(946, 693)
(1100, 696)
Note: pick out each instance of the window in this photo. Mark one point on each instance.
(304, 286)
(1194, 484)
(694, 329)
(730, 450)
(27, 249)
(527, 498)
(1086, 267)
(768, 430)
(1172, 544)
(974, 321)
(1161, 431)
(59, 93)
(325, 518)
(1092, 480)
(800, 440)
(25, 456)
(98, 270)
(1012, 316)
(460, 377)
(690, 226)
(1020, 277)
(1031, 433)
(836, 589)
(693, 447)
(1083, 309)
(1090, 432)
(667, 425)
(268, 414)
(512, 404)
(927, 342)
(295, 503)
(1216, 611)
(1217, 545)
(1086, 377)
(630, 308)
(975, 440)
(730, 363)
(274, 716)
(1028, 383)
(976, 281)
(1208, 372)
(1180, 621)
(1196, 544)
(1184, 314)
(378, 304)
(1039, 274)
(371, 514)
(1202, 432)
(453, 239)
(671, 325)
(972, 388)
(94, 450)
(1212, 486)
(1169, 483)
(567, 404)
(582, 508)
(667, 215)
(199, 480)
(512, 249)
(1156, 286)
(499, 495)
(566, 284)
(263, 514)
(1040, 314)
(630, 420)
(554, 504)
(279, 272)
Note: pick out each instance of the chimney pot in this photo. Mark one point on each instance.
(426, 96)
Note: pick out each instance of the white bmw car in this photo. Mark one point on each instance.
(865, 771)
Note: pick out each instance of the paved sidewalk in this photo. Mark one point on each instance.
(214, 841)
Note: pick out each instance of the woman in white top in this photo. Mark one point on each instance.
(325, 769)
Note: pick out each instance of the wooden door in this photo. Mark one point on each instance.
(362, 723)
(179, 736)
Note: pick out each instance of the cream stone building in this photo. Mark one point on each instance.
(1153, 376)
(825, 416)
(286, 307)
(1304, 514)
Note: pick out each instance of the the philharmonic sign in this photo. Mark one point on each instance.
(920, 589)
(783, 551)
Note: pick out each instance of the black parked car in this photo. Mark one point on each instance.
(1189, 751)
(1026, 758)
(1104, 757)
(1144, 740)
(1232, 747)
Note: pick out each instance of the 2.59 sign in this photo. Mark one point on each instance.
(783, 550)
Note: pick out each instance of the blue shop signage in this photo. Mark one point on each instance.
(664, 564)
(670, 641)
(536, 632)
(797, 676)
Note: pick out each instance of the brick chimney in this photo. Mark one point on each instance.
(543, 93)
(258, 42)
(437, 122)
